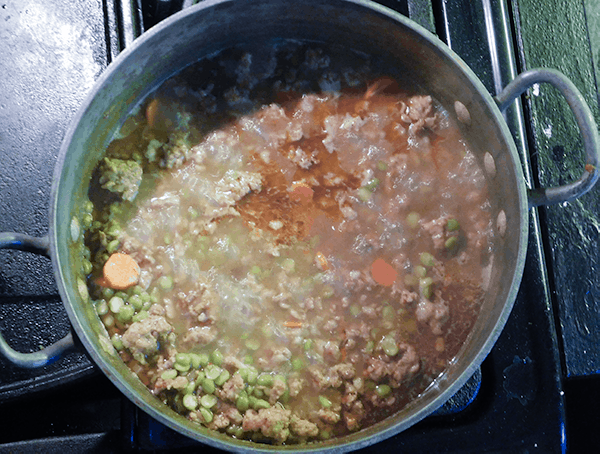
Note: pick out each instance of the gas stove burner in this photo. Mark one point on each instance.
(53, 50)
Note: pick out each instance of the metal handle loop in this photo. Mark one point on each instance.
(52, 353)
(585, 121)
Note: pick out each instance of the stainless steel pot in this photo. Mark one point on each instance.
(403, 47)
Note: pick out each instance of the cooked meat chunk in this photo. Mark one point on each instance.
(303, 427)
(272, 422)
(141, 338)
(121, 176)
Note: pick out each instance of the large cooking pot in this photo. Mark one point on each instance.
(401, 47)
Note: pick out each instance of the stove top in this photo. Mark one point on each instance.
(534, 389)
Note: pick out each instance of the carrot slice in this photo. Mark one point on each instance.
(152, 113)
(321, 261)
(121, 271)
(301, 192)
(292, 324)
(383, 273)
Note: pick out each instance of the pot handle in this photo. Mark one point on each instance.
(585, 121)
(52, 353)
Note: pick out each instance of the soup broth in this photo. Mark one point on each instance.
(307, 243)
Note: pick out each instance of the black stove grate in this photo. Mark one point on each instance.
(514, 403)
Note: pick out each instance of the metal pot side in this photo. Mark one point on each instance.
(204, 29)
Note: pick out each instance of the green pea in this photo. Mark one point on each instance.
(452, 225)
(204, 359)
(181, 368)
(265, 380)
(364, 194)
(243, 372)
(252, 376)
(325, 402)
(216, 357)
(425, 282)
(451, 243)
(372, 185)
(115, 304)
(242, 403)
(136, 302)
(208, 401)
(114, 230)
(87, 266)
(308, 344)
(101, 307)
(260, 403)
(388, 312)
(289, 265)
(121, 294)
(169, 374)
(427, 259)
(212, 371)
(255, 270)
(426, 292)
(117, 342)
(107, 292)
(420, 271)
(412, 219)
(355, 309)
(383, 390)
(108, 320)
(389, 346)
(327, 292)
(199, 378)
(125, 313)
(190, 402)
(252, 344)
(206, 414)
(222, 378)
(297, 364)
(87, 220)
(324, 434)
(155, 296)
(140, 316)
(369, 347)
(258, 392)
(145, 297)
(165, 282)
(183, 359)
(382, 165)
(88, 206)
(195, 360)
(189, 389)
(248, 359)
(208, 386)
(112, 246)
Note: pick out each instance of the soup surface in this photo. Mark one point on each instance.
(296, 249)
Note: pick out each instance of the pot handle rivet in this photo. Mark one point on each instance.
(585, 121)
(52, 353)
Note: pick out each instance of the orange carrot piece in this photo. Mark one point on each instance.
(121, 271)
(152, 112)
(321, 261)
(301, 192)
(383, 273)
(292, 324)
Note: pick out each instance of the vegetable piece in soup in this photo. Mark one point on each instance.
(306, 268)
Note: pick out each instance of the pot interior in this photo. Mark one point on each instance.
(396, 46)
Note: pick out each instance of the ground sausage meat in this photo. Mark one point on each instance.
(310, 243)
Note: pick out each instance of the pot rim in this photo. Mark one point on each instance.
(359, 439)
